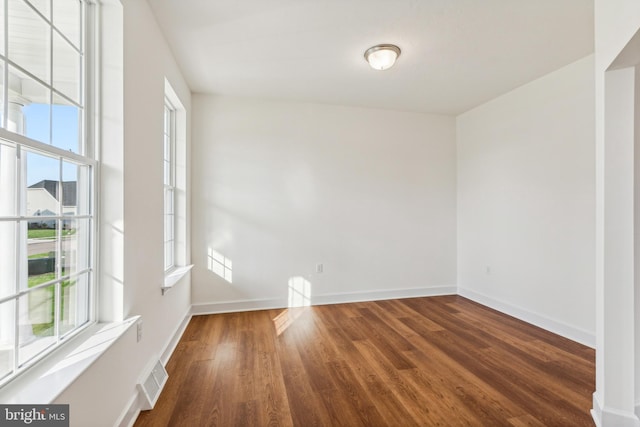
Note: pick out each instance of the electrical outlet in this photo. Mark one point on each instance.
(139, 330)
(319, 268)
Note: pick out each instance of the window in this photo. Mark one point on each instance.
(169, 186)
(176, 256)
(46, 180)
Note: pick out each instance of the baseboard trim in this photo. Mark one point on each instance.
(170, 347)
(132, 410)
(340, 298)
(347, 297)
(596, 411)
(238, 306)
(605, 417)
(552, 325)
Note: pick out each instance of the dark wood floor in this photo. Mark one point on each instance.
(440, 361)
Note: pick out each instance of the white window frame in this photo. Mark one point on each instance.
(179, 184)
(169, 206)
(85, 157)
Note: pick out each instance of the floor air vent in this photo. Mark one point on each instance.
(152, 385)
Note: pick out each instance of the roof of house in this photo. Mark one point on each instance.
(68, 190)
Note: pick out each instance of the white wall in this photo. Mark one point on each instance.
(109, 386)
(526, 202)
(616, 22)
(279, 187)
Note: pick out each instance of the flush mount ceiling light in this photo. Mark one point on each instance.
(382, 56)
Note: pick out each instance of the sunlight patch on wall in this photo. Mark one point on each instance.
(299, 292)
(220, 265)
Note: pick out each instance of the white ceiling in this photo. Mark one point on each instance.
(456, 54)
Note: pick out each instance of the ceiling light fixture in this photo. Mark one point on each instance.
(382, 56)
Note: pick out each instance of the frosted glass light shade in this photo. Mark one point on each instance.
(382, 56)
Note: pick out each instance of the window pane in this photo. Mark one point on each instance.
(65, 125)
(42, 6)
(2, 27)
(168, 200)
(168, 228)
(43, 192)
(7, 331)
(8, 258)
(66, 68)
(83, 191)
(76, 189)
(166, 124)
(167, 154)
(167, 160)
(36, 325)
(74, 303)
(67, 19)
(69, 189)
(168, 255)
(75, 245)
(2, 80)
(167, 145)
(42, 254)
(29, 45)
(167, 172)
(29, 114)
(8, 180)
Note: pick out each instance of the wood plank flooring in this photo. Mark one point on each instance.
(439, 361)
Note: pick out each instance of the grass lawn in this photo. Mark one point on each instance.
(41, 233)
(46, 233)
(41, 278)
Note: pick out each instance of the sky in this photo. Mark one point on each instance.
(64, 135)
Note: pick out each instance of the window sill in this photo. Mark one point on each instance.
(174, 276)
(46, 380)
